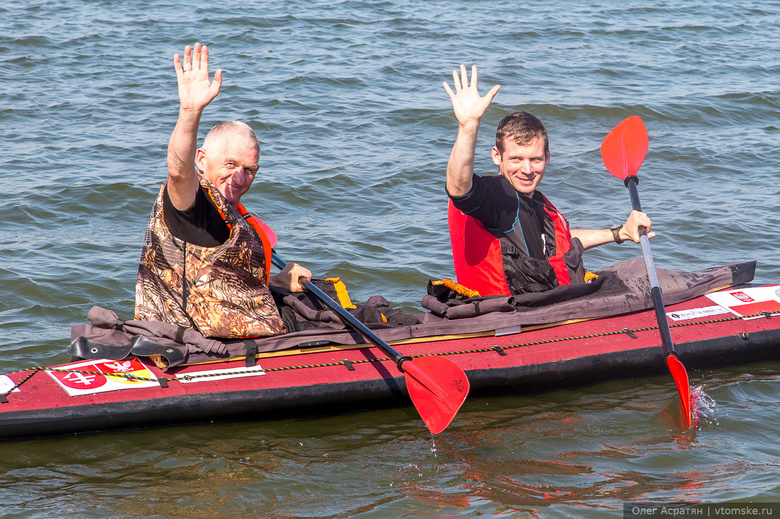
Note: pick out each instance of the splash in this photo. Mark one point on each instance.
(702, 407)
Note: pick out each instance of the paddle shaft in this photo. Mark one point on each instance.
(631, 182)
(348, 317)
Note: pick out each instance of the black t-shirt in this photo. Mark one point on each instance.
(503, 211)
(202, 225)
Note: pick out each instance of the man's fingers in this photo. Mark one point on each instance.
(493, 91)
(196, 60)
(204, 58)
(196, 57)
(449, 91)
(296, 276)
(461, 80)
(187, 65)
(303, 276)
(217, 83)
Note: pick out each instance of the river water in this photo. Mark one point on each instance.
(356, 130)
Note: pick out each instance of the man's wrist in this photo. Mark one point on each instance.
(616, 233)
(470, 125)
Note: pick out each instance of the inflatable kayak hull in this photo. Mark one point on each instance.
(94, 395)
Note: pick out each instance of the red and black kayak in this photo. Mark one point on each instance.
(333, 371)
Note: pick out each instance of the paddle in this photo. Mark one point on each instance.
(623, 151)
(437, 386)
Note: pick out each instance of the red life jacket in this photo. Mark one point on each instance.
(478, 261)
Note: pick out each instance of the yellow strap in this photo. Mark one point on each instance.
(590, 276)
(341, 292)
(460, 289)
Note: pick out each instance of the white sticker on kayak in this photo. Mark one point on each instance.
(754, 302)
(696, 313)
(6, 384)
(99, 376)
(221, 374)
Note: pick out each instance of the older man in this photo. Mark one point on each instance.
(205, 262)
(521, 243)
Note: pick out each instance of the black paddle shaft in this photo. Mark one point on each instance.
(348, 317)
(631, 182)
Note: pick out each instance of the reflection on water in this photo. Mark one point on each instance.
(582, 452)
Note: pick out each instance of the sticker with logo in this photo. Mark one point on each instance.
(749, 303)
(696, 313)
(96, 376)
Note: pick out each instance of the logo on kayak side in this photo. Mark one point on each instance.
(98, 376)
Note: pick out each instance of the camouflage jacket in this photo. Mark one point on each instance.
(218, 291)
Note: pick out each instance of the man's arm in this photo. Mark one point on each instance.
(469, 107)
(195, 93)
(629, 231)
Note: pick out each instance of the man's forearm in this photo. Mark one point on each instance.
(182, 146)
(593, 237)
(460, 168)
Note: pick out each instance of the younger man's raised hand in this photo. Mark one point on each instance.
(468, 105)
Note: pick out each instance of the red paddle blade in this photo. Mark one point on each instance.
(680, 377)
(437, 387)
(625, 147)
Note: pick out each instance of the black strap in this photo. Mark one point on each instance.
(251, 351)
(499, 350)
(512, 250)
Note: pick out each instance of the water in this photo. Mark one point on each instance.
(356, 130)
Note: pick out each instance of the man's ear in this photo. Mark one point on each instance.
(200, 159)
(496, 156)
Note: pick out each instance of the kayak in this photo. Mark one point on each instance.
(324, 373)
